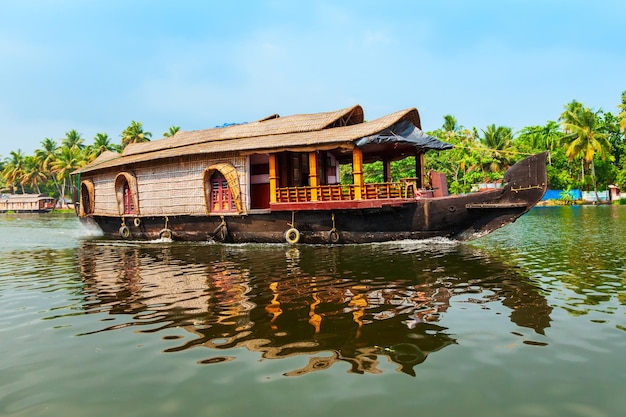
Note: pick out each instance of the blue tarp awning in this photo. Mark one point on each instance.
(405, 133)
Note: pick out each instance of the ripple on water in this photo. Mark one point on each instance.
(522, 309)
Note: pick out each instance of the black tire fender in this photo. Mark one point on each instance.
(124, 232)
(220, 233)
(165, 234)
(334, 236)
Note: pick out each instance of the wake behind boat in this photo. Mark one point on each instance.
(278, 180)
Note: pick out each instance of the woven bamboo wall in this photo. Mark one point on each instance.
(104, 194)
(168, 188)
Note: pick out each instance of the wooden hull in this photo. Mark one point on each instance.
(461, 217)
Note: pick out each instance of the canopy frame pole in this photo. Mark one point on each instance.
(357, 172)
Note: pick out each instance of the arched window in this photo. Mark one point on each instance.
(221, 189)
(86, 198)
(126, 194)
(221, 197)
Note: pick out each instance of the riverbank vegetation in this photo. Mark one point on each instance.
(587, 151)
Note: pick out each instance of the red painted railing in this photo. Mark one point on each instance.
(340, 192)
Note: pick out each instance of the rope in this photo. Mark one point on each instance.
(80, 200)
(293, 220)
(481, 148)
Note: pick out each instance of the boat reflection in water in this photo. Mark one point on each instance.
(352, 304)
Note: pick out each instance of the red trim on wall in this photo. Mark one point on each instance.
(341, 204)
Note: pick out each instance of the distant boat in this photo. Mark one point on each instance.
(278, 180)
(26, 203)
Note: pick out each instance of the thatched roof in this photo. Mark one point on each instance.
(105, 156)
(338, 129)
(268, 126)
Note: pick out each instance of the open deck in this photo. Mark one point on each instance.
(343, 196)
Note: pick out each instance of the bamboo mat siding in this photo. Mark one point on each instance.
(174, 187)
(105, 201)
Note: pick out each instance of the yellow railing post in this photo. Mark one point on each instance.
(313, 179)
(273, 178)
(357, 172)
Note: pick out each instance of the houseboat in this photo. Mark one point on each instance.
(278, 180)
(26, 203)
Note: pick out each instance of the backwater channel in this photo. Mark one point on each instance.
(528, 321)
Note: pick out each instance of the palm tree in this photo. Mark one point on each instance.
(68, 160)
(498, 140)
(622, 115)
(545, 138)
(467, 140)
(73, 139)
(171, 132)
(450, 125)
(457, 135)
(552, 136)
(134, 134)
(47, 153)
(14, 170)
(458, 163)
(584, 138)
(3, 183)
(102, 143)
(33, 173)
(571, 109)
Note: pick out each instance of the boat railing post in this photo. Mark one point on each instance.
(313, 179)
(357, 172)
(273, 178)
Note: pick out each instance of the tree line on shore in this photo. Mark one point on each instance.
(587, 150)
(48, 170)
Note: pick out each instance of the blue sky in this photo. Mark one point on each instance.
(95, 66)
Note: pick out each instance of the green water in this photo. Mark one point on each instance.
(528, 321)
